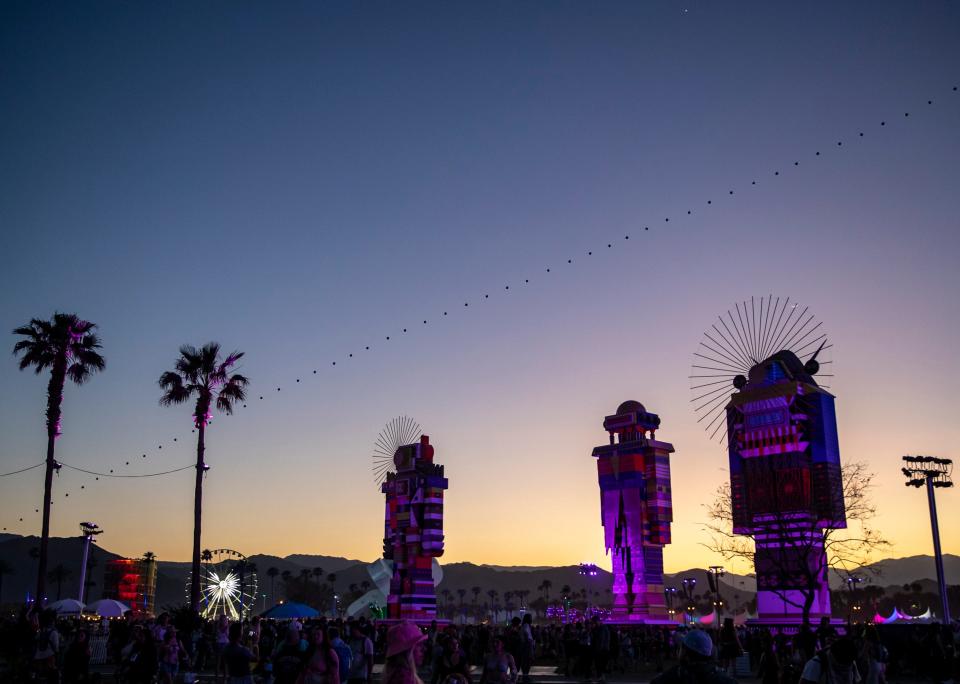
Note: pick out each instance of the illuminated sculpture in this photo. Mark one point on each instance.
(781, 432)
(413, 521)
(636, 511)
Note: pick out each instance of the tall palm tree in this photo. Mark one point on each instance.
(272, 574)
(59, 574)
(149, 556)
(68, 347)
(332, 579)
(305, 575)
(317, 574)
(547, 586)
(203, 374)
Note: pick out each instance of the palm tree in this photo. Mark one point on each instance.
(461, 593)
(332, 579)
(202, 373)
(365, 586)
(305, 575)
(272, 574)
(59, 574)
(68, 347)
(206, 555)
(317, 574)
(149, 556)
(5, 569)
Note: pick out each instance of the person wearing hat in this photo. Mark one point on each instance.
(696, 663)
(405, 649)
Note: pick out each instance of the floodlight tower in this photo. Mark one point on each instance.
(932, 472)
(90, 530)
(716, 572)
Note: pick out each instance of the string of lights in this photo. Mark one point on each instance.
(704, 204)
(22, 470)
(138, 475)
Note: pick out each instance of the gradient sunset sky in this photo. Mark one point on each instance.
(302, 180)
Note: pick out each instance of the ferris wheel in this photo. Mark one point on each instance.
(228, 584)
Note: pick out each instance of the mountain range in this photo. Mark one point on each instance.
(172, 575)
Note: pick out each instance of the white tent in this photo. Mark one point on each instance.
(67, 607)
(107, 608)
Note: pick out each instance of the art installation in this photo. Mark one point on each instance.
(781, 432)
(132, 582)
(413, 521)
(636, 511)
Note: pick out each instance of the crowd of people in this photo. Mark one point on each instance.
(177, 648)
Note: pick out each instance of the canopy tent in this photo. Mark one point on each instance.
(898, 616)
(290, 610)
(66, 607)
(107, 608)
(710, 619)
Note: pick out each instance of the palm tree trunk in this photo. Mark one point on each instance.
(197, 515)
(58, 376)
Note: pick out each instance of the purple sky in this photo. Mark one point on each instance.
(302, 180)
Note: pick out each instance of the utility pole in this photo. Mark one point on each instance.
(932, 472)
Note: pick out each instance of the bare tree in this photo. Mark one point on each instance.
(804, 568)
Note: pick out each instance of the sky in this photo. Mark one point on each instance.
(302, 180)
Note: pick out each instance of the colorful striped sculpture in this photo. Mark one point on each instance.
(413, 531)
(785, 482)
(636, 511)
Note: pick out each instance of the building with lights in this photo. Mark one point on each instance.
(785, 482)
(636, 510)
(133, 582)
(413, 530)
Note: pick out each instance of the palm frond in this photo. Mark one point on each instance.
(79, 372)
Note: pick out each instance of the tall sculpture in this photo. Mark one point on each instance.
(786, 484)
(413, 530)
(636, 511)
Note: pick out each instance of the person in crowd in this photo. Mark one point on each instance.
(697, 665)
(835, 664)
(404, 654)
(499, 667)
(528, 646)
(600, 647)
(76, 660)
(221, 639)
(453, 660)
(46, 646)
(238, 658)
(288, 657)
(361, 658)
(874, 657)
(343, 651)
(171, 651)
(728, 645)
(322, 666)
(768, 668)
(142, 658)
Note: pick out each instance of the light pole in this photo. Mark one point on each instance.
(588, 570)
(90, 530)
(716, 572)
(689, 585)
(852, 581)
(670, 594)
(932, 472)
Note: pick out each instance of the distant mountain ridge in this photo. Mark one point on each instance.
(172, 575)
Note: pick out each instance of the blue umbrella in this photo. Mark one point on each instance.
(289, 610)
